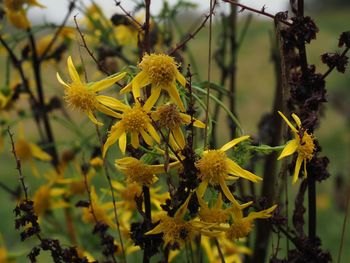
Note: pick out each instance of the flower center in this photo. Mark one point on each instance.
(212, 166)
(307, 146)
(80, 97)
(239, 228)
(213, 215)
(176, 231)
(169, 116)
(135, 120)
(137, 172)
(160, 68)
(23, 150)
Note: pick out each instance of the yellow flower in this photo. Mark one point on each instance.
(126, 197)
(138, 172)
(241, 226)
(83, 96)
(215, 168)
(161, 72)
(28, 151)
(231, 251)
(76, 185)
(170, 118)
(101, 211)
(214, 214)
(176, 230)
(303, 144)
(65, 34)
(43, 199)
(96, 162)
(135, 121)
(126, 35)
(16, 12)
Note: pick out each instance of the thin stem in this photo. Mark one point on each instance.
(58, 31)
(261, 12)
(312, 206)
(209, 76)
(18, 164)
(41, 104)
(108, 177)
(343, 228)
(146, 26)
(190, 36)
(221, 255)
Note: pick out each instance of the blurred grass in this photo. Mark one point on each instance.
(255, 89)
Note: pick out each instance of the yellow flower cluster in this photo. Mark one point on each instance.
(147, 121)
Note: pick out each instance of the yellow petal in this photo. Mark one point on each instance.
(297, 168)
(233, 143)
(174, 143)
(147, 138)
(236, 170)
(181, 79)
(228, 193)
(289, 149)
(174, 95)
(219, 201)
(153, 133)
(155, 92)
(107, 82)
(183, 208)
(72, 70)
(112, 138)
(122, 142)
(201, 189)
(305, 170)
(112, 103)
(157, 230)
(262, 214)
(187, 120)
(93, 119)
(296, 119)
(61, 81)
(179, 137)
(38, 153)
(108, 111)
(126, 89)
(288, 122)
(135, 140)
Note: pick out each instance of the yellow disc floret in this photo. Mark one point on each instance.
(176, 231)
(213, 166)
(306, 147)
(138, 172)
(80, 97)
(160, 68)
(239, 228)
(135, 120)
(213, 215)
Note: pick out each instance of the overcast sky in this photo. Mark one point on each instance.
(55, 9)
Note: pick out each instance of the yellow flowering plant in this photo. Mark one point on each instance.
(172, 186)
